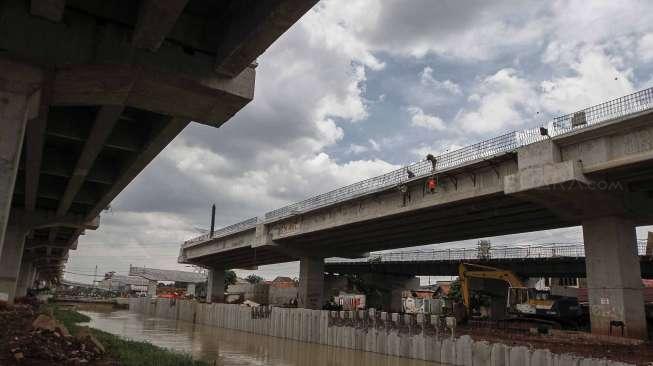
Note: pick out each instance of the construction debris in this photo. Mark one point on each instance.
(30, 338)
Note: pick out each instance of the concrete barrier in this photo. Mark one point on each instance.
(382, 333)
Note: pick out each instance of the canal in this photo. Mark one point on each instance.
(225, 347)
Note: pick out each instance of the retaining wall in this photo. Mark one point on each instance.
(391, 334)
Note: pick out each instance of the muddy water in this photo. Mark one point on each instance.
(232, 348)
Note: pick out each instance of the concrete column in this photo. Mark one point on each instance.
(24, 277)
(151, 289)
(10, 260)
(311, 283)
(613, 275)
(35, 279)
(215, 286)
(190, 289)
(19, 101)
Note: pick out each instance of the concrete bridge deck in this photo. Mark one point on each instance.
(91, 91)
(558, 261)
(592, 168)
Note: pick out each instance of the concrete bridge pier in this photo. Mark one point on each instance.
(311, 283)
(10, 262)
(215, 285)
(25, 278)
(151, 288)
(607, 213)
(19, 100)
(613, 276)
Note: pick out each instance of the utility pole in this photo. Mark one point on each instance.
(94, 275)
(212, 220)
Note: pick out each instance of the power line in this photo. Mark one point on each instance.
(80, 274)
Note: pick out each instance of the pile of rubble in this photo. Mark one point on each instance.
(38, 339)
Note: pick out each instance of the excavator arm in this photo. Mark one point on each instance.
(468, 270)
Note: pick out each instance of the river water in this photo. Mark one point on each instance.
(228, 347)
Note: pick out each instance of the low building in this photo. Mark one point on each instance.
(125, 285)
(283, 291)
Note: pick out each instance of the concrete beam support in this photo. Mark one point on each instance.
(190, 289)
(151, 289)
(311, 283)
(215, 286)
(48, 9)
(613, 276)
(245, 39)
(19, 101)
(156, 19)
(106, 119)
(10, 260)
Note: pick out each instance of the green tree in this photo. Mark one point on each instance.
(454, 291)
(229, 278)
(253, 279)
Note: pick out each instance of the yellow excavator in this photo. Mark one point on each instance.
(523, 303)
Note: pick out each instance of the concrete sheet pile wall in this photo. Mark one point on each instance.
(393, 334)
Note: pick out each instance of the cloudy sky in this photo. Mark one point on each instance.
(359, 87)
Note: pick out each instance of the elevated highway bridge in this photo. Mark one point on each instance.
(92, 90)
(592, 168)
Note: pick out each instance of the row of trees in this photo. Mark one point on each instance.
(230, 278)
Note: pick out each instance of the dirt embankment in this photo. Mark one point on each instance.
(30, 337)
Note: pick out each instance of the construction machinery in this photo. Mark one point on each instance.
(522, 303)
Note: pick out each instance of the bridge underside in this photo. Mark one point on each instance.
(91, 91)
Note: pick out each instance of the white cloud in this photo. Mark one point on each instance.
(427, 79)
(350, 104)
(578, 22)
(374, 145)
(330, 27)
(357, 149)
(503, 100)
(645, 47)
(595, 77)
(470, 30)
(420, 119)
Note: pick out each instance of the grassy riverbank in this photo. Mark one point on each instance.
(125, 352)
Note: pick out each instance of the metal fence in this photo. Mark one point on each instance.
(243, 225)
(620, 107)
(461, 254)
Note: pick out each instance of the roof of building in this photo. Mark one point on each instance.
(282, 279)
(167, 275)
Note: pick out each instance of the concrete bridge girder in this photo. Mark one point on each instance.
(134, 73)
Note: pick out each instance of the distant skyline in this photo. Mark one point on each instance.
(360, 87)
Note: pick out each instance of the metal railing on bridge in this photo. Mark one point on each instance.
(620, 107)
(462, 254)
(240, 226)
